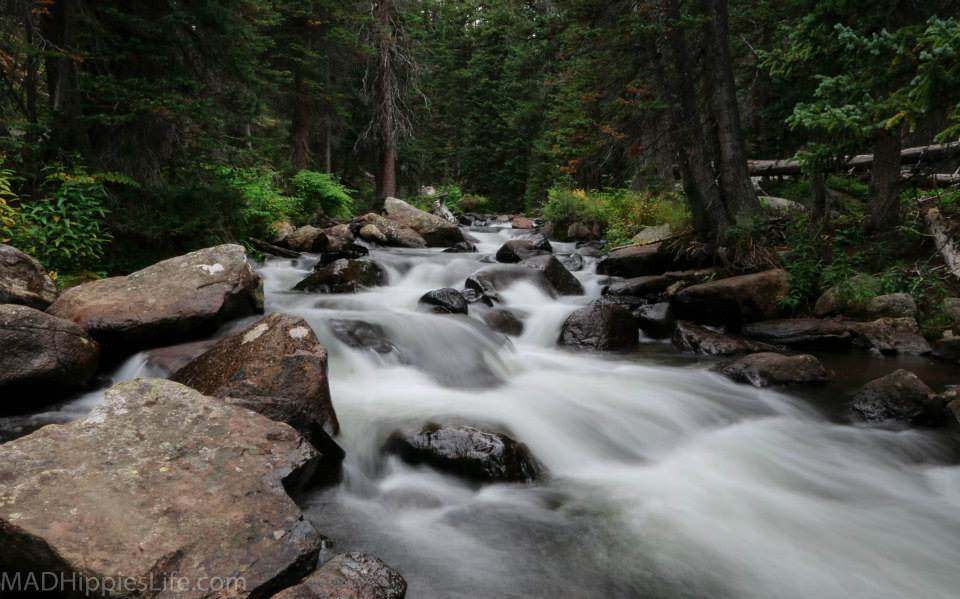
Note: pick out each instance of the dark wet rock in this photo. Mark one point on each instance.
(361, 335)
(688, 336)
(503, 321)
(273, 250)
(802, 333)
(591, 249)
(633, 261)
(521, 222)
(947, 349)
(444, 301)
(464, 247)
(473, 296)
(517, 250)
(307, 239)
(39, 355)
(24, 281)
(159, 479)
(600, 326)
(898, 397)
(656, 320)
(890, 336)
(344, 276)
(767, 369)
(562, 279)
(179, 299)
(573, 262)
(468, 452)
(540, 242)
(492, 280)
(347, 251)
(277, 362)
(393, 233)
(434, 230)
(646, 287)
(350, 576)
(734, 300)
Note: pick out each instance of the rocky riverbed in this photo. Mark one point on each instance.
(477, 411)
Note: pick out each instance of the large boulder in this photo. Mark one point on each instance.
(350, 576)
(893, 305)
(179, 299)
(633, 261)
(41, 353)
(562, 279)
(517, 250)
(468, 452)
(490, 281)
(891, 336)
(344, 276)
(338, 235)
(600, 326)
(393, 234)
(691, 337)
(898, 397)
(159, 481)
(734, 300)
(24, 281)
(444, 301)
(434, 230)
(652, 234)
(307, 239)
(765, 369)
(276, 367)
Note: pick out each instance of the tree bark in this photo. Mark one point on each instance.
(818, 189)
(386, 100)
(885, 181)
(739, 194)
(302, 124)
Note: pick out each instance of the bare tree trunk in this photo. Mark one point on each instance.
(302, 122)
(739, 194)
(32, 79)
(328, 145)
(386, 99)
(885, 181)
(818, 189)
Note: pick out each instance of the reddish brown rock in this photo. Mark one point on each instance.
(24, 281)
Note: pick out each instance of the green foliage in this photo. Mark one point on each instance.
(474, 203)
(321, 191)
(9, 215)
(263, 202)
(65, 228)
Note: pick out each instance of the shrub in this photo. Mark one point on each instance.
(8, 214)
(317, 190)
(474, 203)
(263, 202)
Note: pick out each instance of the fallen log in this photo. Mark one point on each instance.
(269, 248)
(938, 230)
(909, 157)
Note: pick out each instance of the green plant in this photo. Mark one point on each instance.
(9, 215)
(323, 191)
(263, 202)
(474, 203)
(64, 229)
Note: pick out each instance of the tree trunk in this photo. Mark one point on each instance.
(818, 189)
(388, 172)
(738, 191)
(302, 123)
(31, 81)
(885, 181)
(386, 100)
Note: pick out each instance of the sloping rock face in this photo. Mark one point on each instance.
(562, 279)
(159, 481)
(344, 276)
(277, 363)
(516, 250)
(179, 299)
(24, 281)
(691, 337)
(899, 397)
(766, 368)
(600, 326)
(39, 353)
(350, 576)
(434, 230)
(634, 261)
(465, 451)
(734, 300)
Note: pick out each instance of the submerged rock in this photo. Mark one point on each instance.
(600, 326)
(24, 281)
(444, 301)
(734, 300)
(344, 276)
(434, 230)
(276, 367)
(691, 337)
(503, 321)
(492, 280)
(361, 335)
(765, 369)
(560, 278)
(350, 576)
(898, 397)
(40, 355)
(468, 452)
(573, 262)
(347, 251)
(179, 299)
(464, 247)
(159, 480)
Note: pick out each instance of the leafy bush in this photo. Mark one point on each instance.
(263, 202)
(8, 214)
(474, 203)
(64, 229)
(321, 190)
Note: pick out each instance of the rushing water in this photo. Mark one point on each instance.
(666, 480)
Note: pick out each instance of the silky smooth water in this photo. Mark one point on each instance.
(666, 480)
